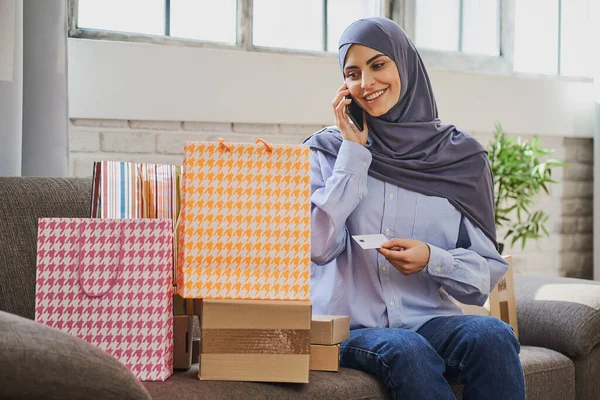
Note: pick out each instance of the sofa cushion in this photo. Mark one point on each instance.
(549, 375)
(561, 314)
(39, 362)
(45, 197)
(22, 202)
(586, 375)
(347, 384)
(18, 236)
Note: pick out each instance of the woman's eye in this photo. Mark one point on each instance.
(378, 65)
(352, 75)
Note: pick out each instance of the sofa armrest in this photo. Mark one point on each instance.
(39, 362)
(562, 314)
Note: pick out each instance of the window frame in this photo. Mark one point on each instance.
(244, 32)
(404, 11)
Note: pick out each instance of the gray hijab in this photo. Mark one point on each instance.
(411, 148)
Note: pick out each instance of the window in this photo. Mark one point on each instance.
(496, 36)
(123, 15)
(210, 20)
(469, 26)
(207, 20)
(288, 24)
(553, 37)
(308, 24)
(341, 13)
(312, 25)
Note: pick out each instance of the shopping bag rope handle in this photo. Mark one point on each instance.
(223, 143)
(229, 146)
(267, 145)
(118, 268)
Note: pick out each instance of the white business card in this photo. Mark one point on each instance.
(370, 241)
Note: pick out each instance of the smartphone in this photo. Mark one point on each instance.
(356, 114)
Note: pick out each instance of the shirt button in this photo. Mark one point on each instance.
(384, 268)
(392, 303)
(360, 197)
(391, 196)
(364, 163)
(387, 231)
(437, 269)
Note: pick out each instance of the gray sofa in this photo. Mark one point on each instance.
(559, 326)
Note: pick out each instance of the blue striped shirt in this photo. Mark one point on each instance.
(347, 280)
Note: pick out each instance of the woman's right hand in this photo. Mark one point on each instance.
(348, 130)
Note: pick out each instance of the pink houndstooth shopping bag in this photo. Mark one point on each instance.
(109, 282)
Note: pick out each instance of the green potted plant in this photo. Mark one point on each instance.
(521, 172)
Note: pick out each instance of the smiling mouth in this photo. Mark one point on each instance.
(375, 95)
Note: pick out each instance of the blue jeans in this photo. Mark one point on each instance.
(481, 352)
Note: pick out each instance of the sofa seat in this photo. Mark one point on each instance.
(346, 384)
(550, 375)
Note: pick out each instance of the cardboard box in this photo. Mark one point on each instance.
(329, 329)
(179, 304)
(324, 357)
(195, 350)
(182, 340)
(183, 306)
(255, 340)
(501, 302)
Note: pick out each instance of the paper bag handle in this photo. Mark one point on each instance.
(267, 145)
(223, 143)
(229, 146)
(118, 268)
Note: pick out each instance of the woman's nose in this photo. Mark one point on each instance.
(367, 80)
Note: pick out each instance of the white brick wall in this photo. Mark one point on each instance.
(156, 125)
(207, 126)
(128, 142)
(162, 141)
(567, 252)
(84, 140)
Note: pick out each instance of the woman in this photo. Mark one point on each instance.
(428, 188)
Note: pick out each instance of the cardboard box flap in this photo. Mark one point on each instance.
(329, 329)
(255, 314)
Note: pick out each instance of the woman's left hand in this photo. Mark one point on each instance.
(406, 255)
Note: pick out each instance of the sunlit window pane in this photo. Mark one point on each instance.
(137, 16)
(536, 36)
(341, 13)
(481, 27)
(288, 24)
(576, 35)
(213, 21)
(437, 24)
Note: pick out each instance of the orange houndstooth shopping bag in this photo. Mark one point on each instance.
(244, 228)
(109, 282)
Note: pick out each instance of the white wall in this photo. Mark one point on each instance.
(138, 81)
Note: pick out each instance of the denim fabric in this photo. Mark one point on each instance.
(481, 352)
